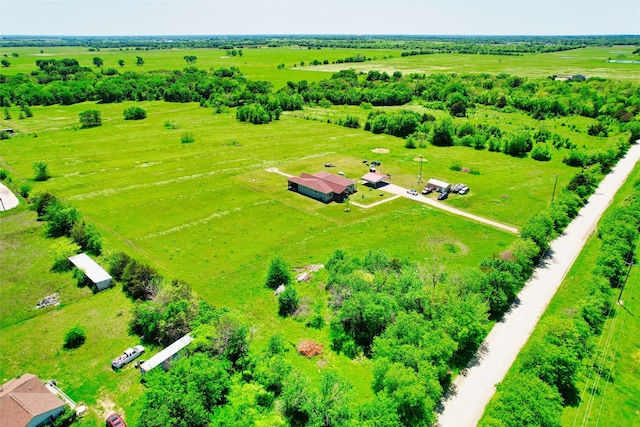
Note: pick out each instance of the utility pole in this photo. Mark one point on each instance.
(420, 176)
(554, 189)
(628, 262)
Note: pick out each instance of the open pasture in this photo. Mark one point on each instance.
(590, 61)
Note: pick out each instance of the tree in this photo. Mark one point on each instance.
(88, 237)
(139, 61)
(139, 280)
(288, 301)
(121, 62)
(41, 171)
(524, 400)
(443, 134)
(518, 144)
(278, 274)
(97, 62)
(90, 118)
(5, 63)
(74, 337)
(41, 201)
(190, 59)
(332, 409)
(60, 219)
(134, 113)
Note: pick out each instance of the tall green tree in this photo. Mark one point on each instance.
(278, 274)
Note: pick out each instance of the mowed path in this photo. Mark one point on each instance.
(472, 390)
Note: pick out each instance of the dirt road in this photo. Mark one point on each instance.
(472, 390)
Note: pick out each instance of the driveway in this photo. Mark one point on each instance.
(472, 390)
(394, 189)
(8, 200)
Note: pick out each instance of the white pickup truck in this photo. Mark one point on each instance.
(126, 357)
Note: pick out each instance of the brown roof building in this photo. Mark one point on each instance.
(323, 186)
(27, 402)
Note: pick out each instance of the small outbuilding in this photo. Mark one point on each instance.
(323, 186)
(439, 186)
(27, 402)
(376, 179)
(167, 355)
(92, 270)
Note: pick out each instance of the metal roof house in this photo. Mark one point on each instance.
(166, 356)
(323, 186)
(92, 270)
(376, 179)
(439, 186)
(27, 402)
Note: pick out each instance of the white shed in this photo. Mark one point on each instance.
(439, 186)
(167, 355)
(92, 270)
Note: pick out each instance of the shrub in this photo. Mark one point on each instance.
(90, 119)
(41, 202)
(517, 144)
(62, 249)
(81, 279)
(24, 190)
(75, 337)
(66, 418)
(170, 124)
(3, 174)
(134, 113)
(41, 171)
(187, 138)
(456, 166)
(541, 153)
(117, 263)
(278, 274)
(351, 122)
(288, 301)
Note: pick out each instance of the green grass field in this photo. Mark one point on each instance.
(211, 214)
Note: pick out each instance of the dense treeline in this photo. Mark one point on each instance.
(562, 349)
(449, 43)
(63, 82)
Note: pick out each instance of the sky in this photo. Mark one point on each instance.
(233, 17)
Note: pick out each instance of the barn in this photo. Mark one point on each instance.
(323, 186)
(92, 270)
(439, 186)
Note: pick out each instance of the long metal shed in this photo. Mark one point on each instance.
(167, 355)
(92, 270)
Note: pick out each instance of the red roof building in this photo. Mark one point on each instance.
(375, 179)
(323, 186)
(27, 402)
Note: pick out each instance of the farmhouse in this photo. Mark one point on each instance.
(27, 402)
(167, 355)
(92, 270)
(439, 186)
(375, 179)
(323, 186)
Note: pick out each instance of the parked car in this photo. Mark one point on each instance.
(443, 196)
(427, 190)
(126, 357)
(463, 190)
(375, 163)
(413, 192)
(115, 420)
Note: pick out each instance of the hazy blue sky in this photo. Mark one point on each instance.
(174, 17)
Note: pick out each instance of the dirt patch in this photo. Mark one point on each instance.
(105, 407)
(381, 151)
(309, 349)
(420, 159)
(311, 268)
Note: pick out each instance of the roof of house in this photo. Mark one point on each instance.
(323, 182)
(24, 398)
(438, 183)
(375, 177)
(93, 271)
(166, 353)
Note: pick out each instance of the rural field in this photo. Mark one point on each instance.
(214, 213)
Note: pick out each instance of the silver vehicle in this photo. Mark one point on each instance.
(126, 357)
